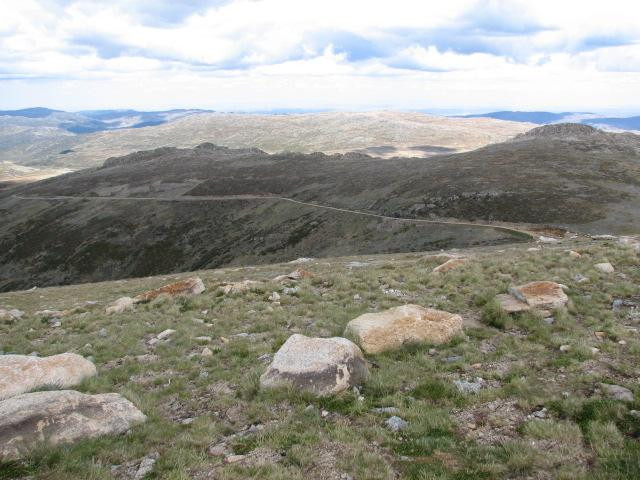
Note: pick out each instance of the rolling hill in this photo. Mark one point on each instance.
(175, 209)
(41, 143)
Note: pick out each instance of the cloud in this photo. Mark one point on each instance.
(486, 43)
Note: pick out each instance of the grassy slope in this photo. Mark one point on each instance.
(585, 436)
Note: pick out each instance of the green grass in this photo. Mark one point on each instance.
(585, 435)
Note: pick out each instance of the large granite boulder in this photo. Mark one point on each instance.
(24, 373)
(61, 417)
(393, 328)
(323, 366)
(120, 305)
(188, 286)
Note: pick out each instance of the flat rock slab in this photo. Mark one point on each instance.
(24, 373)
(188, 286)
(61, 417)
(239, 287)
(393, 328)
(541, 295)
(323, 366)
(510, 304)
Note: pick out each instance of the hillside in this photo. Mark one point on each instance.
(599, 121)
(511, 397)
(383, 134)
(174, 209)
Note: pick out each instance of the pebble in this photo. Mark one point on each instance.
(595, 350)
(565, 348)
(324, 414)
(622, 342)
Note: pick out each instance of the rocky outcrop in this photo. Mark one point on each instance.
(542, 296)
(61, 417)
(23, 373)
(188, 286)
(393, 328)
(323, 366)
(120, 305)
(450, 265)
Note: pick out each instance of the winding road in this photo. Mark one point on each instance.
(188, 198)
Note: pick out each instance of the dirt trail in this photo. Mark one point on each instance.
(200, 198)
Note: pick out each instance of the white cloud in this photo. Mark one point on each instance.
(354, 54)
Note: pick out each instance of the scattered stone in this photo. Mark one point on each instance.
(579, 278)
(55, 323)
(24, 373)
(533, 249)
(356, 265)
(432, 351)
(146, 466)
(219, 450)
(204, 339)
(165, 334)
(239, 287)
(301, 260)
(617, 392)
(452, 359)
(357, 297)
(393, 292)
(274, 297)
(266, 357)
(321, 365)
(393, 328)
(574, 254)
(603, 237)
(539, 414)
(396, 424)
(299, 274)
(549, 320)
(616, 304)
(290, 290)
(188, 286)
(622, 342)
(47, 314)
(543, 239)
(604, 267)
(385, 410)
(450, 265)
(102, 333)
(600, 335)
(206, 352)
(10, 315)
(565, 348)
(469, 387)
(595, 350)
(120, 305)
(60, 417)
(234, 458)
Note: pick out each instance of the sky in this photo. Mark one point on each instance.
(463, 55)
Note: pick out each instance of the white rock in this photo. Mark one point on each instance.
(321, 365)
(604, 267)
(23, 373)
(120, 305)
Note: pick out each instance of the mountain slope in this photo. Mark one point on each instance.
(568, 175)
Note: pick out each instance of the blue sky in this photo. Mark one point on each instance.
(347, 54)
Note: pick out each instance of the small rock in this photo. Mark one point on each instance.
(452, 359)
(188, 286)
(616, 304)
(574, 254)
(469, 387)
(433, 351)
(204, 339)
(165, 334)
(565, 348)
(549, 320)
(622, 342)
(206, 352)
(102, 333)
(234, 458)
(595, 350)
(618, 392)
(396, 424)
(186, 421)
(600, 335)
(604, 267)
(324, 414)
(146, 466)
(219, 450)
(543, 239)
(290, 290)
(579, 278)
(385, 410)
(274, 297)
(120, 305)
(357, 297)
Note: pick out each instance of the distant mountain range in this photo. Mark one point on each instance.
(542, 118)
(90, 121)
